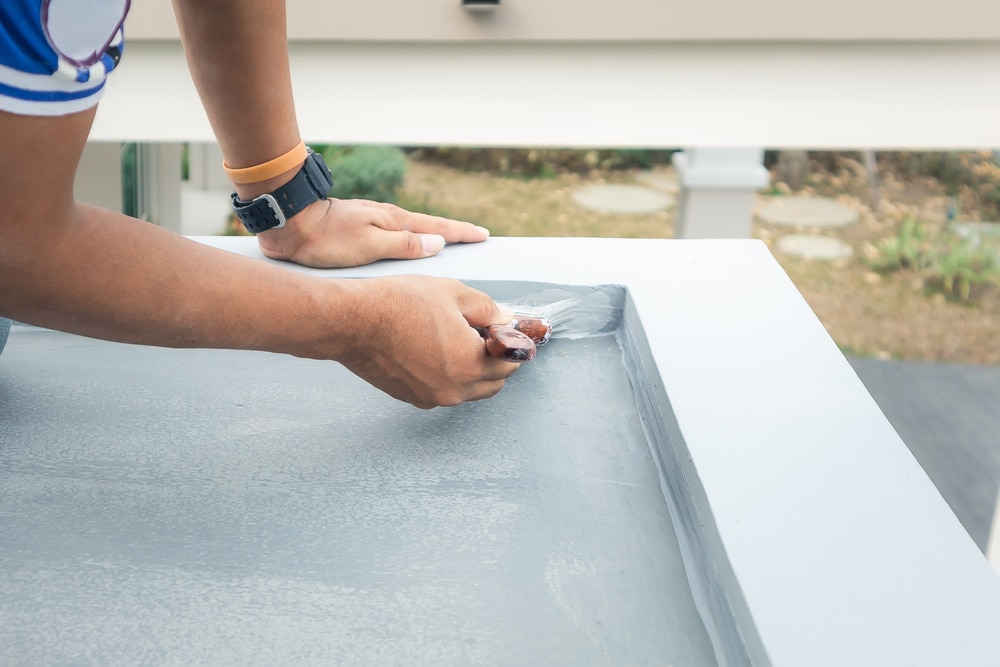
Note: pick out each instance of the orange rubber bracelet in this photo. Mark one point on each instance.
(269, 169)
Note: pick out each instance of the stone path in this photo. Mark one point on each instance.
(813, 246)
(656, 191)
(617, 198)
(807, 212)
(659, 180)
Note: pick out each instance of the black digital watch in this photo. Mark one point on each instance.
(272, 210)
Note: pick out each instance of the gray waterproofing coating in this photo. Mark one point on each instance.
(234, 507)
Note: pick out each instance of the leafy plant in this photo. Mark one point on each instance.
(954, 267)
(963, 267)
(366, 172)
(909, 249)
(541, 162)
(973, 177)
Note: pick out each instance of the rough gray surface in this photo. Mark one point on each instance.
(947, 416)
(211, 507)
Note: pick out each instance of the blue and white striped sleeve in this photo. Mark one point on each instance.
(55, 55)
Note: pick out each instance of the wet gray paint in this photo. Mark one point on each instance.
(168, 506)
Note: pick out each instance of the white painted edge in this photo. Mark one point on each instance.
(993, 548)
(828, 539)
(619, 95)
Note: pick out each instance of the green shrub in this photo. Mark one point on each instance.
(541, 162)
(957, 268)
(366, 172)
(973, 177)
(963, 267)
(908, 249)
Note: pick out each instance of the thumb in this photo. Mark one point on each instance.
(430, 244)
(482, 311)
(403, 244)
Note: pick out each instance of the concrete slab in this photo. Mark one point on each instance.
(977, 232)
(659, 180)
(618, 198)
(807, 212)
(813, 246)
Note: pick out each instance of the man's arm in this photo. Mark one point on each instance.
(238, 55)
(98, 273)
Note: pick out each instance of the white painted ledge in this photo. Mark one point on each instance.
(993, 548)
(825, 539)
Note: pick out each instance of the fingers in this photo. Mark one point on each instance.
(411, 235)
(452, 231)
(407, 245)
(353, 232)
(420, 346)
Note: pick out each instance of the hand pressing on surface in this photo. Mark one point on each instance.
(334, 233)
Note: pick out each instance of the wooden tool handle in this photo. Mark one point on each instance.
(507, 343)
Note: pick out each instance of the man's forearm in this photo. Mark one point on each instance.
(109, 276)
(238, 55)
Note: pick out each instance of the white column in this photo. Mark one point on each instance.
(718, 186)
(99, 176)
(205, 205)
(160, 183)
(205, 167)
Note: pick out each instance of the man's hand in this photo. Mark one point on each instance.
(414, 339)
(352, 232)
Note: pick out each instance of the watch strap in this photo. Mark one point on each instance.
(274, 209)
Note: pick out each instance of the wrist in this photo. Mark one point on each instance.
(276, 205)
(251, 190)
(259, 178)
(285, 242)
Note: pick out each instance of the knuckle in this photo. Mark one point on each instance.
(410, 245)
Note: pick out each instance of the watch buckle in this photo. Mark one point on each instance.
(272, 203)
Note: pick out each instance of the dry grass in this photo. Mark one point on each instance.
(885, 315)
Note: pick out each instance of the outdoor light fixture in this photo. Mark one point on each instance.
(480, 5)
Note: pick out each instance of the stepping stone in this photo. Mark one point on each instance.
(659, 180)
(977, 232)
(811, 246)
(615, 198)
(807, 212)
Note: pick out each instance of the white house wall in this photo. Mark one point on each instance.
(598, 20)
